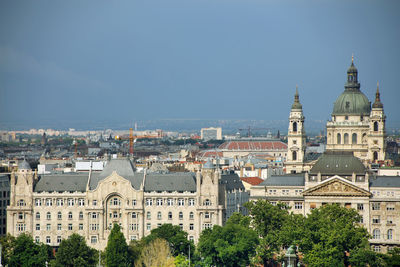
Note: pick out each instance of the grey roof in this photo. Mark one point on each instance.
(24, 165)
(285, 180)
(339, 163)
(385, 181)
(232, 181)
(185, 181)
(123, 167)
(62, 182)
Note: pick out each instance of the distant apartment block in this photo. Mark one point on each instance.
(211, 133)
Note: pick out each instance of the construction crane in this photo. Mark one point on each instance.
(249, 129)
(132, 139)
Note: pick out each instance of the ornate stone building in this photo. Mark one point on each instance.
(51, 207)
(355, 138)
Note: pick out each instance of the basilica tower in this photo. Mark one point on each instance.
(296, 138)
(376, 137)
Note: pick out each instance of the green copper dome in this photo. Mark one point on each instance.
(352, 101)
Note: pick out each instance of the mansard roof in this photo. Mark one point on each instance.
(385, 181)
(285, 180)
(69, 182)
(232, 181)
(185, 181)
(338, 163)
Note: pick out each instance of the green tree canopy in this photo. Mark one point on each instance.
(176, 238)
(231, 245)
(28, 253)
(117, 252)
(74, 252)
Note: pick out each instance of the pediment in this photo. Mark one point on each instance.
(336, 186)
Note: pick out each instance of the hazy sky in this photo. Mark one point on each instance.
(123, 61)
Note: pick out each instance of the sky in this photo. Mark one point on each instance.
(122, 61)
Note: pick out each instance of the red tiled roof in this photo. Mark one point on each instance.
(252, 180)
(253, 145)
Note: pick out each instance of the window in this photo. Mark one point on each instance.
(376, 126)
(298, 205)
(377, 248)
(60, 202)
(181, 202)
(94, 215)
(20, 227)
(69, 215)
(191, 226)
(37, 227)
(191, 238)
(81, 202)
(180, 215)
(149, 202)
(294, 126)
(294, 155)
(58, 239)
(20, 216)
(133, 227)
(59, 215)
(207, 226)
(170, 202)
(94, 202)
(376, 205)
(376, 234)
(37, 216)
(390, 234)
(148, 215)
(148, 226)
(115, 201)
(133, 237)
(93, 227)
(169, 215)
(93, 239)
(48, 227)
(191, 215)
(339, 141)
(48, 216)
(115, 214)
(375, 155)
(70, 226)
(191, 201)
(37, 239)
(207, 202)
(272, 191)
(49, 202)
(159, 215)
(133, 215)
(48, 240)
(38, 202)
(354, 138)
(346, 138)
(376, 219)
(390, 207)
(21, 203)
(206, 215)
(70, 202)
(59, 227)
(285, 191)
(80, 215)
(134, 202)
(389, 219)
(181, 226)
(81, 226)
(159, 201)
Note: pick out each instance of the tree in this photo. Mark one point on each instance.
(117, 253)
(268, 220)
(331, 233)
(74, 252)
(28, 253)
(156, 253)
(7, 244)
(231, 245)
(176, 238)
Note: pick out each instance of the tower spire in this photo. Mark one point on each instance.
(377, 103)
(296, 104)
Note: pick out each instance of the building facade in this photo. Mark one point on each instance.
(52, 207)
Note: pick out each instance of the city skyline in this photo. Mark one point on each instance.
(239, 60)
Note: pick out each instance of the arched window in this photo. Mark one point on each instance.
(294, 126)
(21, 203)
(346, 138)
(48, 216)
(159, 215)
(339, 139)
(37, 216)
(180, 215)
(390, 234)
(148, 215)
(376, 126)
(191, 215)
(354, 138)
(133, 215)
(294, 155)
(80, 215)
(364, 138)
(69, 215)
(207, 202)
(59, 215)
(376, 234)
(170, 215)
(375, 156)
